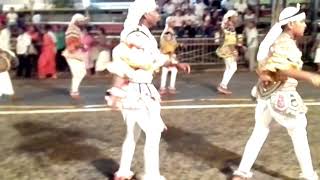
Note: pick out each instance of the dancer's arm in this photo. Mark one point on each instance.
(312, 78)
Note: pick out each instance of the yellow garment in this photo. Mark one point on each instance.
(136, 58)
(284, 55)
(168, 46)
(228, 47)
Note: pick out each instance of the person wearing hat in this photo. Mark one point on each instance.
(228, 50)
(168, 46)
(74, 53)
(135, 59)
(279, 69)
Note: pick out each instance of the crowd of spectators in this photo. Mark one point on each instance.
(39, 47)
(202, 17)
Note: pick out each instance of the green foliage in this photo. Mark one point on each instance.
(62, 3)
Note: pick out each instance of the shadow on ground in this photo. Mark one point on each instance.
(196, 146)
(58, 144)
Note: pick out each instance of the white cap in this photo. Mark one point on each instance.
(289, 14)
(78, 18)
(137, 9)
(229, 14)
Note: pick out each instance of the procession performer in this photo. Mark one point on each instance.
(74, 53)
(134, 61)
(168, 46)
(228, 50)
(6, 57)
(279, 69)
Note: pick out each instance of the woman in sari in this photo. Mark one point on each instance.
(47, 62)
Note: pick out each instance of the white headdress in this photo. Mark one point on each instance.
(135, 12)
(226, 17)
(167, 27)
(78, 17)
(137, 9)
(289, 14)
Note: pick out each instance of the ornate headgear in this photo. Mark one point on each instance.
(226, 17)
(135, 12)
(78, 18)
(289, 14)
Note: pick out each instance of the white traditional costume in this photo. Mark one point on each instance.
(228, 50)
(6, 87)
(74, 53)
(280, 101)
(168, 45)
(135, 59)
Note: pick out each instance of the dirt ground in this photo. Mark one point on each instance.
(200, 144)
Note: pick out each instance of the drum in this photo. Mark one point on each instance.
(5, 60)
(265, 91)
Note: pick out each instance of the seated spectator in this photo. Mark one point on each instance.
(178, 23)
(249, 16)
(254, 6)
(167, 10)
(177, 3)
(227, 4)
(215, 4)
(12, 18)
(207, 24)
(199, 8)
(184, 6)
(241, 7)
(191, 23)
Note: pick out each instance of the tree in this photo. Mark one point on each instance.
(62, 3)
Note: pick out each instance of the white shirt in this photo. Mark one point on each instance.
(12, 18)
(248, 17)
(227, 4)
(190, 19)
(36, 19)
(199, 9)
(178, 21)
(5, 39)
(252, 37)
(23, 42)
(252, 2)
(240, 7)
(177, 2)
(169, 8)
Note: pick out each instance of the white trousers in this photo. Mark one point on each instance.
(148, 119)
(103, 59)
(296, 128)
(251, 55)
(78, 71)
(231, 68)
(165, 71)
(5, 84)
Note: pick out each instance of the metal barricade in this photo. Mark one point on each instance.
(200, 51)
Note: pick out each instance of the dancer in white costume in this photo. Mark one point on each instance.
(6, 56)
(134, 61)
(228, 50)
(6, 87)
(168, 46)
(75, 54)
(279, 69)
